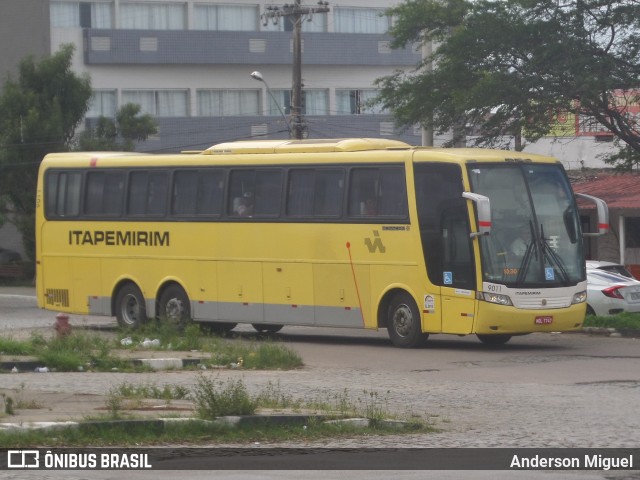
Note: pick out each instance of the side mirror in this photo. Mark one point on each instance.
(483, 209)
(603, 215)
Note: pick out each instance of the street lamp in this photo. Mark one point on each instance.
(258, 76)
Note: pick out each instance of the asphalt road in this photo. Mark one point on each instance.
(538, 391)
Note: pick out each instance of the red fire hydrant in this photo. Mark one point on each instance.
(62, 325)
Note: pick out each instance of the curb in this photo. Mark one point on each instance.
(157, 364)
(158, 425)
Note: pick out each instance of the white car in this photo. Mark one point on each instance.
(609, 293)
(610, 267)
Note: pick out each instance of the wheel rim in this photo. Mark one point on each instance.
(174, 310)
(130, 309)
(402, 320)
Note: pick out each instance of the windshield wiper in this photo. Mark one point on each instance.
(526, 260)
(553, 257)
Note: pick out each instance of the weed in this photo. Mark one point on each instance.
(167, 392)
(114, 403)
(9, 346)
(273, 397)
(8, 405)
(214, 398)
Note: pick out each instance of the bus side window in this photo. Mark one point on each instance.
(148, 192)
(63, 194)
(103, 193)
(241, 189)
(268, 193)
(315, 192)
(184, 193)
(377, 192)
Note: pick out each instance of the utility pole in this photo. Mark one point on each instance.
(296, 13)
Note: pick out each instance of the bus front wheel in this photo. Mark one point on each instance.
(131, 311)
(403, 323)
(174, 306)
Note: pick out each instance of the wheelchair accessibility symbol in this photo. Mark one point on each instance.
(447, 278)
(549, 273)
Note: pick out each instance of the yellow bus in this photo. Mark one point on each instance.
(354, 233)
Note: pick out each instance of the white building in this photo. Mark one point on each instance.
(188, 63)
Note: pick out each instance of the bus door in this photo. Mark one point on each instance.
(446, 245)
(458, 272)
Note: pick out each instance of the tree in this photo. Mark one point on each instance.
(119, 134)
(501, 65)
(39, 113)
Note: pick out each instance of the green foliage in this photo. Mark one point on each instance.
(625, 159)
(9, 346)
(501, 65)
(622, 321)
(39, 113)
(214, 398)
(119, 134)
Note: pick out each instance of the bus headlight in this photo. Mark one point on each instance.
(579, 297)
(496, 298)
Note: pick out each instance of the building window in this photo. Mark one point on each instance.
(226, 17)
(355, 102)
(152, 16)
(159, 103)
(103, 104)
(632, 232)
(360, 20)
(314, 102)
(81, 14)
(221, 103)
(314, 23)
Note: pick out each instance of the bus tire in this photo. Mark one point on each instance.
(267, 328)
(494, 340)
(174, 306)
(218, 328)
(130, 307)
(404, 325)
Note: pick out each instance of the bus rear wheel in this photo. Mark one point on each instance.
(130, 307)
(174, 306)
(218, 328)
(494, 340)
(403, 322)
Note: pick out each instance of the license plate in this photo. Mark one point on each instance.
(546, 320)
(635, 295)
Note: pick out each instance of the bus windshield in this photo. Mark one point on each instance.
(535, 238)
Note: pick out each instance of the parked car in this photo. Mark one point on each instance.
(609, 293)
(610, 267)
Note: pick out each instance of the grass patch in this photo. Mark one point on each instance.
(82, 351)
(263, 354)
(213, 397)
(629, 321)
(9, 346)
